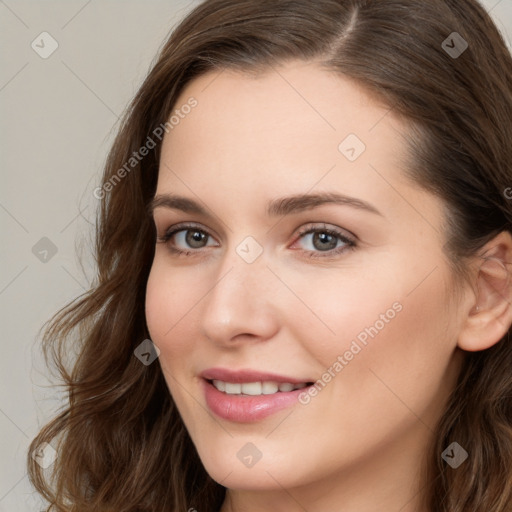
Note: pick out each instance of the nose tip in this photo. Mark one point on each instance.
(240, 304)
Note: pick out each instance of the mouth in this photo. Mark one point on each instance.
(245, 397)
(256, 388)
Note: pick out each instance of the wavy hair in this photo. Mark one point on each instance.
(122, 446)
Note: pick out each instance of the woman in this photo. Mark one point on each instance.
(303, 293)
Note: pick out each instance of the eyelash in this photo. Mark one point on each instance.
(350, 243)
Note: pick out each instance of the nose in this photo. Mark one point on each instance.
(241, 304)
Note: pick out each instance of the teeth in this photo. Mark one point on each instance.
(251, 388)
(269, 388)
(256, 388)
(233, 389)
(220, 385)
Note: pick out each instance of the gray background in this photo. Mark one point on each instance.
(57, 119)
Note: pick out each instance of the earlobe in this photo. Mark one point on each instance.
(490, 317)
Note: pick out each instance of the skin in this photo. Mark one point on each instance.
(360, 442)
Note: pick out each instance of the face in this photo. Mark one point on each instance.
(299, 254)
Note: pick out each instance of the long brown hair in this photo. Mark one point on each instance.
(121, 443)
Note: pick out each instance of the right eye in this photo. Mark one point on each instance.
(186, 239)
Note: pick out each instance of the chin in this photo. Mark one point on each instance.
(246, 479)
(228, 471)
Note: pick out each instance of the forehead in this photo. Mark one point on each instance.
(294, 117)
(298, 97)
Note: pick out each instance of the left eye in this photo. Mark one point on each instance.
(325, 240)
(321, 240)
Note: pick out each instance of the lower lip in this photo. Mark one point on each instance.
(245, 408)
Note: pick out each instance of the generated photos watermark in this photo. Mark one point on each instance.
(349, 354)
(138, 156)
(454, 455)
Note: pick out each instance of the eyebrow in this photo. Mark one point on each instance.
(275, 207)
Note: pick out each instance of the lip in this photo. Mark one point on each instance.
(244, 376)
(245, 408)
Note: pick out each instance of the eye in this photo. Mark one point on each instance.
(321, 241)
(318, 241)
(181, 238)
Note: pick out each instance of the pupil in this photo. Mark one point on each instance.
(195, 239)
(324, 237)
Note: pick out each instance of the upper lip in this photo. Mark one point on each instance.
(249, 375)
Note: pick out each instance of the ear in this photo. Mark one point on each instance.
(490, 316)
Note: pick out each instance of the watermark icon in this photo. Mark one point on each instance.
(454, 455)
(44, 45)
(249, 455)
(146, 352)
(352, 147)
(454, 45)
(138, 156)
(44, 249)
(508, 193)
(249, 249)
(354, 349)
(44, 455)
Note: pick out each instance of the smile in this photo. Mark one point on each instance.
(249, 395)
(256, 388)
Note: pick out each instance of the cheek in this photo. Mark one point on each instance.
(168, 299)
(331, 309)
(167, 303)
(406, 359)
(158, 302)
(396, 326)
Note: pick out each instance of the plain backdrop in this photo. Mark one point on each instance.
(57, 119)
